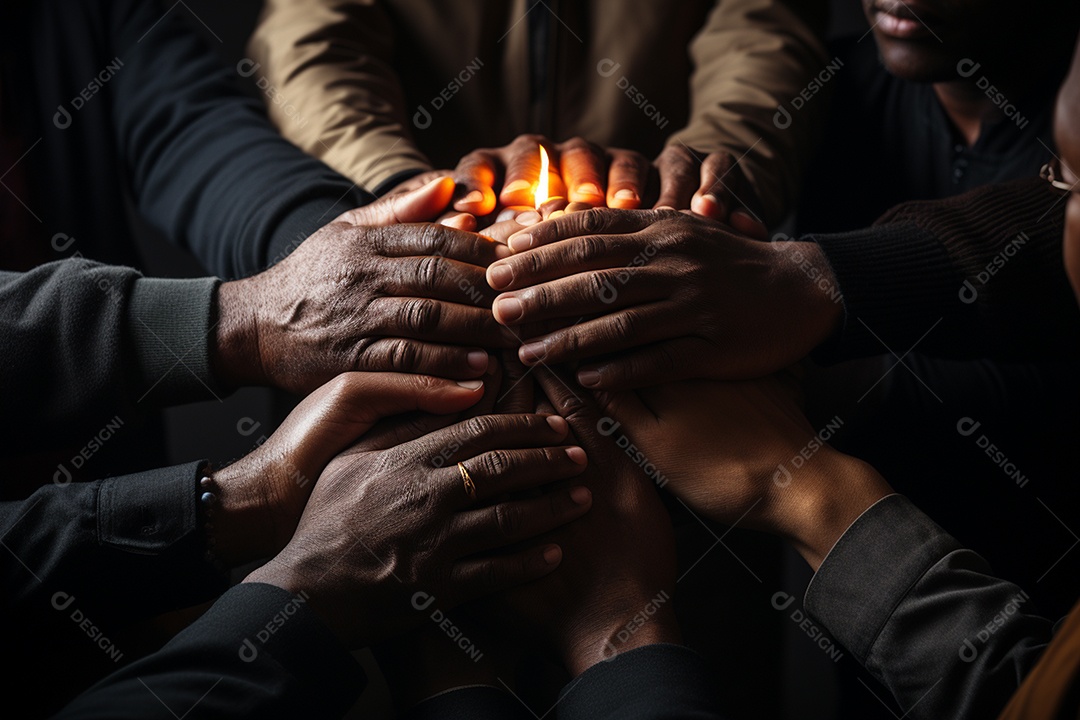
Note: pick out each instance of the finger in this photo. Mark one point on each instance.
(663, 362)
(476, 578)
(713, 198)
(516, 220)
(575, 255)
(351, 403)
(627, 175)
(517, 392)
(493, 382)
(476, 175)
(430, 239)
(437, 321)
(400, 429)
(587, 293)
(572, 402)
(490, 432)
(679, 177)
(436, 277)
(420, 205)
(522, 162)
(407, 355)
(583, 166)
(618, 331)
(744, 223)
(597, 221)
(511, 522)
(497, 472)
(459, 221)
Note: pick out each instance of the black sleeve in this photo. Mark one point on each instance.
(474, 702)
(206, 166)
(85, 344)
(115, 550)
(258, 652)
(926, 616)
(983, 269)
(647, 683)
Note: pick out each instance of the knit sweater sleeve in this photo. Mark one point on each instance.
(977, 275)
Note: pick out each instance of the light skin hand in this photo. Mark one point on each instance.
(364, 294)
(676, 295)
(262, 495)
(727, 450)
(385, 530)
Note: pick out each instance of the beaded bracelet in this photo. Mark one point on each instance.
(209, 499)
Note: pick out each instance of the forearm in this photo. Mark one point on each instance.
(206, 166)
(924, 615)
(752, 58)
(140, 343)
(258, 651)
(346, 107)
(979, 275)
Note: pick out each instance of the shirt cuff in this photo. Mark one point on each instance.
(896, 281)
(169, 326)
(870, 570)
(654, 681)
(468, 703)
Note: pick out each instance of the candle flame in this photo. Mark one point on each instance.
(541, 195)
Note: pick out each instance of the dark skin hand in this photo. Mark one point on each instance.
(676, 295)
(404, 298)
(386, 529)
(619, 558)
(711, 184)
(263, 494)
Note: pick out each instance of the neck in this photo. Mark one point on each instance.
(967, 107)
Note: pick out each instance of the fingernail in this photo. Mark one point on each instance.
(557, 424)
(528, 218)
(509, 309)
(517, 186)
(474, 197)
(626, 194)
(588, 378)
(520, 242)
(577, 455)
(556, 214)
(581, 495)
(664, 207)
(478, 360)
(471, 384)
(589, 189)
(532, 352)
(500, 276)
(552, 555)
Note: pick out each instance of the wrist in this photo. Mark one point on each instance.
(234, 351)
(242, 530)
(650, 622)
(843, 489)
(819, 293)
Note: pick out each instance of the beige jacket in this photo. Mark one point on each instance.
(376, 88)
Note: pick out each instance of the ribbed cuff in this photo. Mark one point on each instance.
(871, 569)
(168, 327)
(896, 282)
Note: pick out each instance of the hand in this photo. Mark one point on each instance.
(404, 298)
(389, 532)
(713, 186)
(679, 295)
(743, 453)
(579, 170)
(262, 495)
(459, 220)
(620, 558)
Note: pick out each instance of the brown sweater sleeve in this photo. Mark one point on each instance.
(980, 275)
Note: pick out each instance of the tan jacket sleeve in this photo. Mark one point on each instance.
(751, 60)
(326, 69)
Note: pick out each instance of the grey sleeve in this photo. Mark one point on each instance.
(925, 616)
(86, 343)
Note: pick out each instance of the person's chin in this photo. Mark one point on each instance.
(915, 60)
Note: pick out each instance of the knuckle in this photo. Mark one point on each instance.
(427, 272)
(496, 463)
(623, 325)
(593, 221)
(509, 520)
(433, 237)
(420, 315)
(590, 247)
(402, 355)
(480, 427)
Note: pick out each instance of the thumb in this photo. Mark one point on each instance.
(422, 205)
